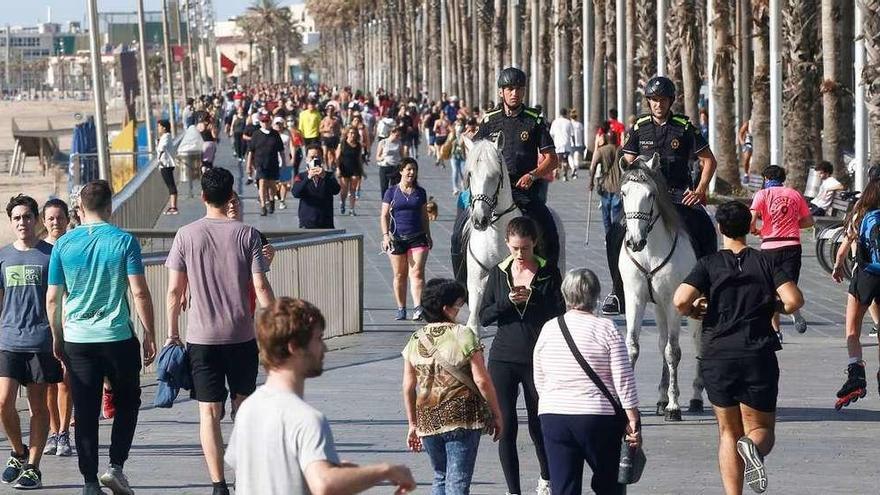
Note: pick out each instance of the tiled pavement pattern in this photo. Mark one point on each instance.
(819, 451)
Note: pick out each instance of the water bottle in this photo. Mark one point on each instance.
(625, 472)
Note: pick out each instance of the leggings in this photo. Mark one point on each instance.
(87, 365)
(507, 378)
(168, 178)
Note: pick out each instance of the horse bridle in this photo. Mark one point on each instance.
(492, 201)
(649, 274)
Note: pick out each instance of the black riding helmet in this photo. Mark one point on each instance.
(512, 77)
(660, 86)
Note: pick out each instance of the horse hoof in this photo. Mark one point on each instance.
(673, 415)
(661, 408)
(696, 406)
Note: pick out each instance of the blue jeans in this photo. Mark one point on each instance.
(453, 456)
(611, 209)
(457, 173)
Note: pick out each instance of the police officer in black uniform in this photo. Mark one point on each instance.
(528, 153)
(676, 141)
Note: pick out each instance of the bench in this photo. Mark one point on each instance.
(841, 203)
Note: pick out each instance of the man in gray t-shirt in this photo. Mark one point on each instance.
(219, 263)
(281, 445)
(25, 342)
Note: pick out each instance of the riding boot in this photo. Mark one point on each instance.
(613, 244)
(700, 228)
(458, 246)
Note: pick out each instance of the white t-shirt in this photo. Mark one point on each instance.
(562, 134)
(826, 193)
(577, 130)
(277, 435)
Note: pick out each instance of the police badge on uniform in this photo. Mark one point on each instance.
(675, 143)
(524, 136)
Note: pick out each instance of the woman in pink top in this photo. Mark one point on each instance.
(783, 213)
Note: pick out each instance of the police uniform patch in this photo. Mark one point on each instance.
(524, 136)
(675, 143)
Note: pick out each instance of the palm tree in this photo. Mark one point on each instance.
(596, 114)
(647, 35)
(871, 70)
(831, 89)
(723, 111)
(688, 50)
(760, 122)
(673, 52)
(800, 88)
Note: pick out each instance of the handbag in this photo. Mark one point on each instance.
(632, 460)
(466, 380)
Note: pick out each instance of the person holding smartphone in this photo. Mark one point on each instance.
(315, 189)
(522, 293)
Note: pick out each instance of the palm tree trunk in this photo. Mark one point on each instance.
(759, 125)
(632, 79)
(832, 146)
(871, 71)
(610, 54)
(647, 34)
(746, 59)
(545, 53)
(598, 77)
(725, 145)
(576, 60)
(499, 37)
(673, 43)
(690, 73)
(801, 88)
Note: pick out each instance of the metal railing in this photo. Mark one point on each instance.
(156, 241)
(326, 270)
(139, 204)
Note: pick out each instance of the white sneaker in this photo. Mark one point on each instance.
(543, 487)
(115, 480)
(282, 205)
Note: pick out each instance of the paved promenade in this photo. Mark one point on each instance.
(819, 451)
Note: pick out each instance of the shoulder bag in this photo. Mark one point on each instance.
(632, 460)
(462, 377)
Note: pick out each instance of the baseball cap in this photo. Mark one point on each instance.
(278, 120)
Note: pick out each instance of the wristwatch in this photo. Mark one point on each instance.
(532, 176)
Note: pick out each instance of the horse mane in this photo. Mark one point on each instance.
(638, 172)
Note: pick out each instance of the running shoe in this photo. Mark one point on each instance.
(249, 181)
(282, 205)
(51, 444)
(800, 324)
(873, 331)
(754, 475)
(342, 209)
(401, 314)
(108, 409)
(31, 479)
(115, 480)
(14, 467)
(543, 487)
(64, 449)
(417, 313)
(353, 212)
(272, 206)
(263, 211)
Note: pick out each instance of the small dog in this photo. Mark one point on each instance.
(431, 206)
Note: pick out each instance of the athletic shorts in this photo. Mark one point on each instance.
(753, 381)
(787, 259)
(330, 142)
(440, 140)
(404, 246)
(268, 173)
(285, 174)
(310, 141)
(865, 286)
(30, 367)
(215, 366)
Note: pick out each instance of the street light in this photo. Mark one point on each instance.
(98, 90)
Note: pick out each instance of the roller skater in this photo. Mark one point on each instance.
(863, 229)
(855, 386)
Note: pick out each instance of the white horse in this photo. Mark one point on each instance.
(658, 256)
(492, 208)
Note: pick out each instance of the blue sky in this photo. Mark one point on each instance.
(25, 13)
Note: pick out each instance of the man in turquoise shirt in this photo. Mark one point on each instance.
(95, 265)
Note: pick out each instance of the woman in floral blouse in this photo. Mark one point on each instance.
(450, 400)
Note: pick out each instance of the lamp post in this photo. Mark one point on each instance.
(98, 90)
(145, 77)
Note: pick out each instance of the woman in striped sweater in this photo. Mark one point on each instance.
(577, 421)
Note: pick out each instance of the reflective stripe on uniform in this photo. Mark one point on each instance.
(681, 120)
(640, 121)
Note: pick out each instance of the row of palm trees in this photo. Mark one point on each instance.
(270, 29)
(457, 47)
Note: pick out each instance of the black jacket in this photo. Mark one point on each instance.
(315, 200)
(518, 333)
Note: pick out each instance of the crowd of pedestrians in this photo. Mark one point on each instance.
(68, 334)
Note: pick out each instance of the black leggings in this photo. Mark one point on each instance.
(168, 178)
(87, 365)
(507, 377)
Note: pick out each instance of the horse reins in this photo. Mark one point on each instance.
(649, 274)
(492, 201)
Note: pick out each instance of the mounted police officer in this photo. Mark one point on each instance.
(677, 142)
(528, 153)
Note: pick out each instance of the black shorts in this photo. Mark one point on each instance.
(440, 140)
(215, 366)
(405, 244)
(268, 173)
(753, 381)
(787, 259)
(865, 286)
(30, 367)
(330, 142)
(310, 141)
